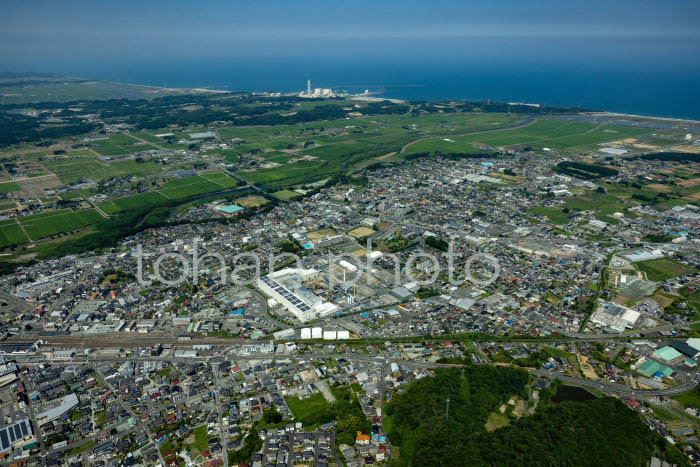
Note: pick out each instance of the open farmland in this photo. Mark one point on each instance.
(662, 269)
(132, 202)
(51, 223)
(197, 185)
(341, 145)
(71, 169)
(119, 145)
(11, 233)
(553, 134)
(9, 187)
(222, 179)
(179, 188)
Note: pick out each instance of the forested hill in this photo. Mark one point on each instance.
(586, 431)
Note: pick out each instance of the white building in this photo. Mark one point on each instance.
(286, 286)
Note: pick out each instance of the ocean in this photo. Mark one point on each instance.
(672, 91)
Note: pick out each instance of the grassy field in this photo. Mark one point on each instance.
(689, 398)
(11, 233)
(119, 145)
(553, 134)
(664, 415)
(47, 224)
(341, 145)
(201, 439)
(100, 418)
(555, 215)
(9, 187)
(304, 409)
(178, 188)
(497, 420)
(286, 194)
(131, 202)
(663, 268)
(7, 204)
(73, 168)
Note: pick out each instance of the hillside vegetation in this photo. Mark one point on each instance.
(586, 431)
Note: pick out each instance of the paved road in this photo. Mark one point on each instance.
(621, 389)
(223, 432)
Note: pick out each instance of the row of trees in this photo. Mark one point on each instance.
(670, 156)
(586, 171)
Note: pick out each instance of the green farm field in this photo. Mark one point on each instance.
(11, 233)
(663, 268)
(120, 144)
(9, 187)
(553, 134)
(51, 223)
(341, 145)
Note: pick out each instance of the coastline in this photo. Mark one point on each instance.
(362, 98)
(648, 117)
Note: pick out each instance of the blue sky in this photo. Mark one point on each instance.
(33, 32)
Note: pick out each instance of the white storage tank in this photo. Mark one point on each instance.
(317, 333)
(343, 334)
(306, 333)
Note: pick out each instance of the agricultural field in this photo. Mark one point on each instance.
(6, 204)
(137, 168)
(51, 223)
(11, 233)
(179, 188)
(9, 187)
(197, 186)
(132, 202)
(664, 268)
(222, 179)
(71, 169)
(552, 134)
(340, 145)
(119, 145)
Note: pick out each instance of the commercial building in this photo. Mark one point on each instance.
(67, 403)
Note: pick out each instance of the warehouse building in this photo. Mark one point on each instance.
(668, 355)
(10, 435)
(615, 317)
(286, 286)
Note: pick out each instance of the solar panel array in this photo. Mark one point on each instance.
(13, 433)
(289, 296)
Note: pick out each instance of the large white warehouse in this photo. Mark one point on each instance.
(286, 287)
